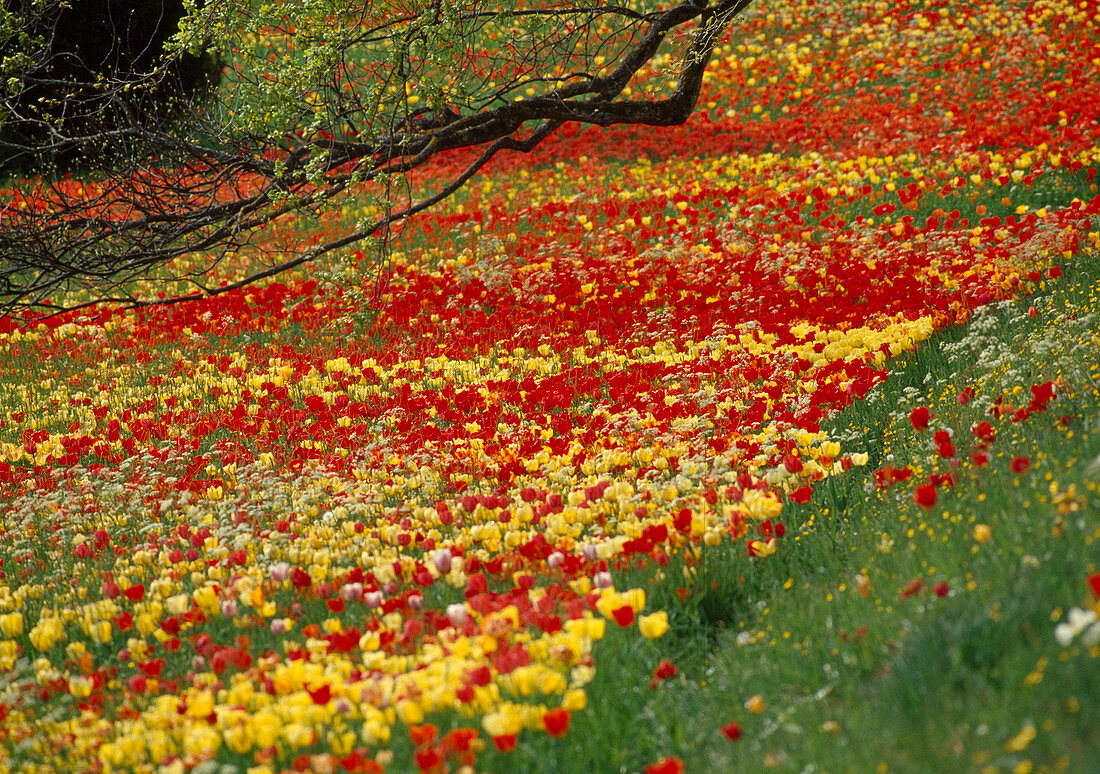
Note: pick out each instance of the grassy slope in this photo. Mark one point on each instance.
(951, 683)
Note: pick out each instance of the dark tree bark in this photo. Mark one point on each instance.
(96, 74)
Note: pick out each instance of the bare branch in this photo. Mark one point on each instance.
(374, 98)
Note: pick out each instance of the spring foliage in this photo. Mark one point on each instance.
(323, 102)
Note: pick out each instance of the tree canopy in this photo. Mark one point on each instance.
(320, 102)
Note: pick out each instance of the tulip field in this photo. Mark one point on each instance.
(769, 442)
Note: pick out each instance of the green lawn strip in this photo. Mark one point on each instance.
(902, 679)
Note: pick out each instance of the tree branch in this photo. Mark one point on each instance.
(201, 199)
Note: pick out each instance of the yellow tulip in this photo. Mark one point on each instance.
(654, 625)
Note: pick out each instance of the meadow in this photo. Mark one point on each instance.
(764, 443)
